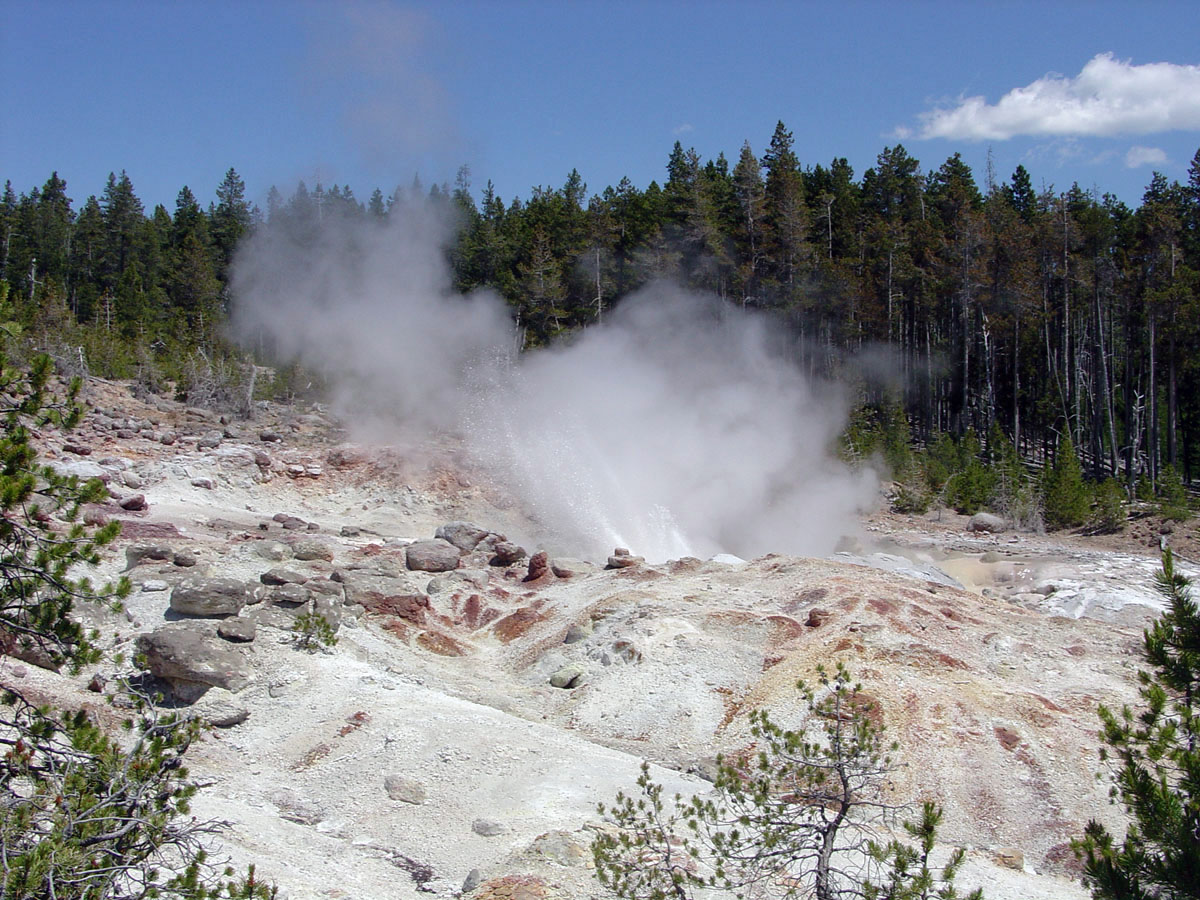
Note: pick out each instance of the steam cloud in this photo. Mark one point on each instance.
(678, 427)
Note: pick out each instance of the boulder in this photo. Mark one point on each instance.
(190, 653)
(139, 553)
(621, 559)
(237, 630)
(289, 595)
(568, 677)
(185, 559)
(463, 535)
(986, 523)
(539, 566)
(565, 567)
(488, 828)
(282, 576)
(506, 553)
(210, 597)
(562, 848)
(576, 633)
(136, 503)
(405, 789)
(272, 551)
(437, 555)
(310, 550)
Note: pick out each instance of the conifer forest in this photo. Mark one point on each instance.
(1002, 310)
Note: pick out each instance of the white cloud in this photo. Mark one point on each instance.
(685, 128)
(1144, 156)
(1108, 97)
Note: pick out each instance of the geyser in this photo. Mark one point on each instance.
(678, 427)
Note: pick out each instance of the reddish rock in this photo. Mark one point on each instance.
(441, 644)
(136, 503)
(517, 623)
(817, 617)
(410, 607)
(539, 566)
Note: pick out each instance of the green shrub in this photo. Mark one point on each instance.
(1172, 495)
(802, 810)
(1154, 757)
(83, 815)
(1066, 498)
(1108, 513)
(312, 631)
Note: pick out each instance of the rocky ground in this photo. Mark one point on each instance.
(482, 698)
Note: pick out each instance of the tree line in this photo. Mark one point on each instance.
(1041, 313)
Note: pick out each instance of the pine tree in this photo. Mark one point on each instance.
(800, 812)
(1066, 497)
(83, 816)
(1156, 757)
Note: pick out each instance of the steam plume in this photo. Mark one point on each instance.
(679, 427)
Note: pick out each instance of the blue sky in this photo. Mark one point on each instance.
(371, 94)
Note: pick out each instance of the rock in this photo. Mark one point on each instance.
(472, 881)
(404, 789)
(136, 503)
(237, 630)
(816, 617)
(209, 440)
(326, 587)
(577, 633)
(152, 585)
(507, 553)
(463, 535)
(289, 595)
(437, 555)
(488, 828)
(97, 684)
(569, 677)
(272, 551)
(328, 608)
(459, 579)
(210, 597)
(132, 480)
(562, 848)
(78, 450)
(203, 483)
(347, 455)
(83, 469)
(310, 549)
(565, 567)
(621, 559)
(987, 523)
(539, 566)
(185, 559)
(139, 553)
(282, 576)
(1010, 858)
(227, 717)
(271, 437)
(188, 652)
